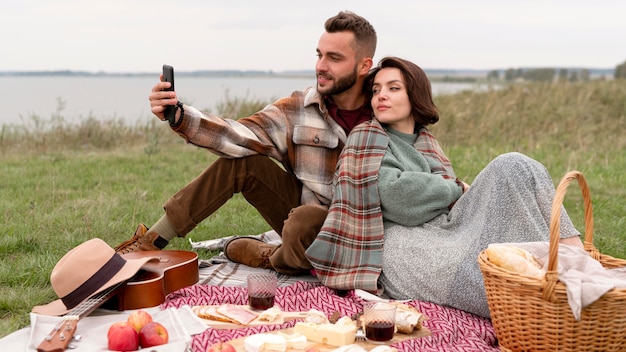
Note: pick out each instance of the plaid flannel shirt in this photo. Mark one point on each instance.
(297, 131)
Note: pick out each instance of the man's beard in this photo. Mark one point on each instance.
(340, 85)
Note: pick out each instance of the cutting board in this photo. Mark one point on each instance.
(239, 343)
(282, 318)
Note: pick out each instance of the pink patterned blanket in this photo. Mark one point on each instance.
(451, 329)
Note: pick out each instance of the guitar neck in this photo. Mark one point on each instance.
(61, 335)
(90, 304)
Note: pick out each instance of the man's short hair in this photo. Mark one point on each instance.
(364, 33)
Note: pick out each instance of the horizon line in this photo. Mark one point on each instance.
(273, 72)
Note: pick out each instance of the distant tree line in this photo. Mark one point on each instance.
(542, 74)
(551, 74)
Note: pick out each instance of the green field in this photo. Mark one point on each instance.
(63, 184)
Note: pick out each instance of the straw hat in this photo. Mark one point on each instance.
(86, 270)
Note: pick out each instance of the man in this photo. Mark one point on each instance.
(304, 132)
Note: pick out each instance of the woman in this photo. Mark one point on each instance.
(401, 224)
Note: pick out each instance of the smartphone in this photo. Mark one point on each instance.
(168, 76)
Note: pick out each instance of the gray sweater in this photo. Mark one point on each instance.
(410, 193)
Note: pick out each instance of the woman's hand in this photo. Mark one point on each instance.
(464, 186)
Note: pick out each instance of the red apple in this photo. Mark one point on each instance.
(122, 337)
(138, 319)
(153, 334)
(221, 347)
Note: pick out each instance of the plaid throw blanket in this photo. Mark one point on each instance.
(451, 329)
(219, 271)
(347, 254)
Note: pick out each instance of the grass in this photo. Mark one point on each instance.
(63, 184)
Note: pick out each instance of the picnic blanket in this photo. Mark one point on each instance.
(224, 282)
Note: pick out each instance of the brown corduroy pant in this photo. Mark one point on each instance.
(274, 192)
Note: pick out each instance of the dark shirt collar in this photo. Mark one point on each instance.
(347, 119)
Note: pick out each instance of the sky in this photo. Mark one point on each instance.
(120, 36)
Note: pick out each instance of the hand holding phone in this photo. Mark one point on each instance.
(170, 110)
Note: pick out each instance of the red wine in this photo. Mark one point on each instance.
(379, 330)
(261, 301)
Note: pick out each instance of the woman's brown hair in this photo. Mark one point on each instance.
(418, 88)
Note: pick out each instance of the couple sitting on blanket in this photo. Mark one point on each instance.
(394, 220)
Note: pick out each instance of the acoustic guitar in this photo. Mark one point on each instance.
(156, 279)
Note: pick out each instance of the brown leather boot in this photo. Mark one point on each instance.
(141, 241)
(249, 251)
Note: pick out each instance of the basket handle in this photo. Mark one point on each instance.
(551, 276)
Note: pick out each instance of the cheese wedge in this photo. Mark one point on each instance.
(265, 343)
(294, 341)
(330, 334)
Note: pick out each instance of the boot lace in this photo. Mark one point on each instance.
(128, 245)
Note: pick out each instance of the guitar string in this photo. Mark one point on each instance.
(92, 302)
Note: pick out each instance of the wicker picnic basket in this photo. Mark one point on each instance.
(530, 314)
